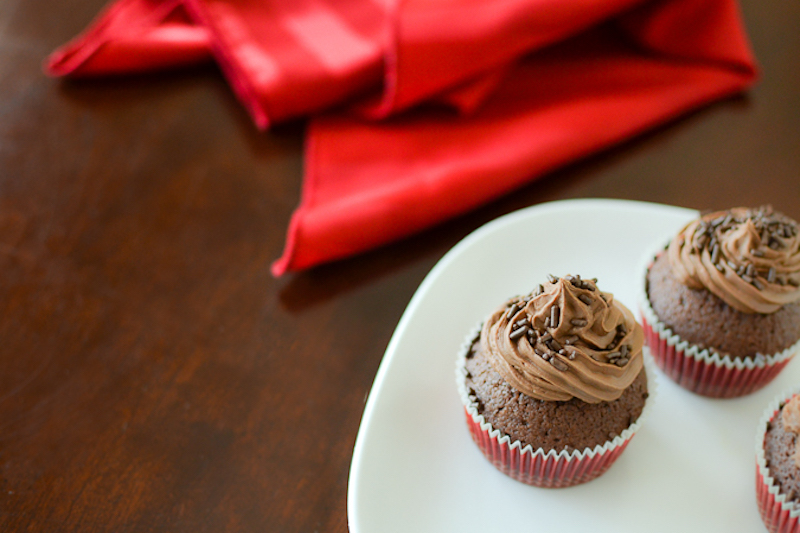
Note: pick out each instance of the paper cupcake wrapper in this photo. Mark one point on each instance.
(704, 371)
(549, 469)
(779, 515)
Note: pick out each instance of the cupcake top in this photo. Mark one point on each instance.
(749, 258)
(566, 339)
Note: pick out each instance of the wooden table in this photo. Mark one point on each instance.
(153, 375)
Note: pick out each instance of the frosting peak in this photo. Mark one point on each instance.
(565, 340)
(749, 258)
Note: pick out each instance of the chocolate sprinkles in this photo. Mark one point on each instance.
(541, 333)
(559, 364)
(512, 311)
(775, 233)
(516, 334)
(715, 254)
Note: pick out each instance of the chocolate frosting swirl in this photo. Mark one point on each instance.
(565, 340)
(749, 258)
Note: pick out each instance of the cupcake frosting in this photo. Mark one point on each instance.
(566, 339)
(749, 258)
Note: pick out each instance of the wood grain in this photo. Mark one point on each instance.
(153, 375)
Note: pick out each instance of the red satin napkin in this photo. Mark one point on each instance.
(420, 109)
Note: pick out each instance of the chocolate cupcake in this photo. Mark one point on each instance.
(553, 383)
(778, 464)
(721, 309)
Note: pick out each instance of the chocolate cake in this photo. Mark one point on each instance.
(778, 463)
(702, 318)
(560, 368)
(569, 425)
(721, 304)
(780, 449)
(730, 281)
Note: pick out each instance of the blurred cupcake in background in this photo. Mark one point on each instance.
(778, 464)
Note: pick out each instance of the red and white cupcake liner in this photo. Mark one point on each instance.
(778, 514)
(549, 469)
(705, 371)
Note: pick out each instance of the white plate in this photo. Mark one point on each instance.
(415, 469)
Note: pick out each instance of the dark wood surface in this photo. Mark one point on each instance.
(153, 375)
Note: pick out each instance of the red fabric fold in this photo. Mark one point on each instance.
(133, 36)
(288, 58)
(423, 110)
